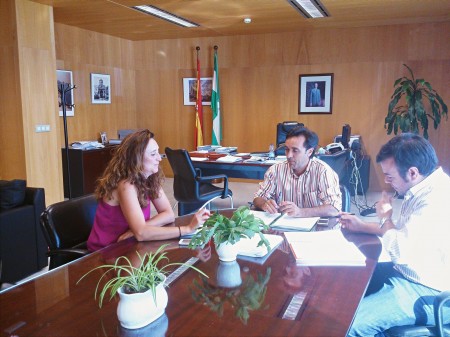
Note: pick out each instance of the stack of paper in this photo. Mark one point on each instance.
(229, 159)
(249, 247)
(324, 248)
(286, 222)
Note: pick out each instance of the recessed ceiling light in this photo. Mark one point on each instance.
(247, 20)
(309, 8)
(152, 10)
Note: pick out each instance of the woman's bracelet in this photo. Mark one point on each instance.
(179, 230)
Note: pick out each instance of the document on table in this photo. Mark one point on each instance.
(229, 159)
(324, 248)
(286, 222)
(199, 158)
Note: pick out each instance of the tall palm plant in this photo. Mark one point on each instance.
(409, 113)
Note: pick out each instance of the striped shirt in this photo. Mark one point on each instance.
(419, 246)
(318, 185)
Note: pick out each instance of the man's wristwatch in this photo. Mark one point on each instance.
(383, 221)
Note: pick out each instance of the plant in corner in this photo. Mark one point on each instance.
(143, 297)
(411, 112)
(226, 232)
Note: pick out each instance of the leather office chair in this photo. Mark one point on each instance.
(282, 130)
(439, 329)
(190, 188)
(66, 226)
(346, 199)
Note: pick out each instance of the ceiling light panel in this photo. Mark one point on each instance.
(310, 8)
(165, 15)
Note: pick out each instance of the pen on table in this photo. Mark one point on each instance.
(339, 215)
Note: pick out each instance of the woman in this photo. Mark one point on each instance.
(130, 182)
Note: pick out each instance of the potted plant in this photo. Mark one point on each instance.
(411, 112)
(143, 297)
(227, 232)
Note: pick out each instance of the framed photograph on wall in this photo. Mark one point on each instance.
(100, 89)
(190, 90)
(316, 94)
(64, 78)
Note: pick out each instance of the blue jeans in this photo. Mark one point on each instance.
(398, 302)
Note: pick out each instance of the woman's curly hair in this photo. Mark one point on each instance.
(127, 164)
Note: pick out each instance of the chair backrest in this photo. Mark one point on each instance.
(346, 199)
(337, 161)
(282, 130)
(67, 224)
(185, 186)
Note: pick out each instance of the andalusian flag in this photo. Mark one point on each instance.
(198, 109)
(215, 104)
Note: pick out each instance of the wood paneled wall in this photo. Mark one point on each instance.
(259, 78)
(259, 81)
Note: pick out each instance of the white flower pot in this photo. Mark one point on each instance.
(229, 274)
(227, 251)
(139, 309)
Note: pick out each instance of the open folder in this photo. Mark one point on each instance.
(286, 223)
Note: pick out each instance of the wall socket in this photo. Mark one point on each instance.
(42, 128)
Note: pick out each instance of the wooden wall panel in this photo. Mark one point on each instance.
(259, 78)
(84, 52)
(36, 59)
(12, 151)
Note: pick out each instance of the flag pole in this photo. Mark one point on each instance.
(215, 104)
(198, 107)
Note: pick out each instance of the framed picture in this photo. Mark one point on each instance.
(64, 79)
(190, 90)
(316, 94)
(100, 89)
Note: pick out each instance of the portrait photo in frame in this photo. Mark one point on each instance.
(100, 88)
(315, 94)
(64, 77)
(190, 90)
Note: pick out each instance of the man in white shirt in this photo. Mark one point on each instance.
(418, 242)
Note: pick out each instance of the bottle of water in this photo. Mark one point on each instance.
(271, 152)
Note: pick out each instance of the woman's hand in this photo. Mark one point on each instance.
(199, 219)
(126, 235)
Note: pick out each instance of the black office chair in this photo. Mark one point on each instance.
(282, 130)
(439, 329)
(190, 188)
(66, 226)
(337, 161)
(346, 199)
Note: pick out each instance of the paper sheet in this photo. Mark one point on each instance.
(324, 248)
(286, 222)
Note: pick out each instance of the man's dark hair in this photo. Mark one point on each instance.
(311, 138)
(410, 150)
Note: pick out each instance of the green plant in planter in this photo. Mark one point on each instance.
(241, 224)
(411, 112)
(147, 275)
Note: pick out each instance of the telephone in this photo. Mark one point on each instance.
(334, 147)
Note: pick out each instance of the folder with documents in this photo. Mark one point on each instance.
(285, 222)
(324, 248)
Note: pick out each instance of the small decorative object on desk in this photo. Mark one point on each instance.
(143, 297)
(228, 231)
(103, 137)
(271, 152)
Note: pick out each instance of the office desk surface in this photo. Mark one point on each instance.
(232, 170)
(299, 301)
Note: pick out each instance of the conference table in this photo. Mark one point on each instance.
(276, 296)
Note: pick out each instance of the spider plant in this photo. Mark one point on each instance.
(147, 275)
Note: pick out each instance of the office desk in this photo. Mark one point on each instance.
(232, 170)
(318, 301)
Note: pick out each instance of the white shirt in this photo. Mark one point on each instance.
(419, 246)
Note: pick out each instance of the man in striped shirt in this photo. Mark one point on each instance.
(302, 186)
(418, 242)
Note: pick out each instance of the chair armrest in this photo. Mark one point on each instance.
(199, 171)
(69, 251)
(439, 303)
(217, 176)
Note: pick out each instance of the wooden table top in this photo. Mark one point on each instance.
(280, 298)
